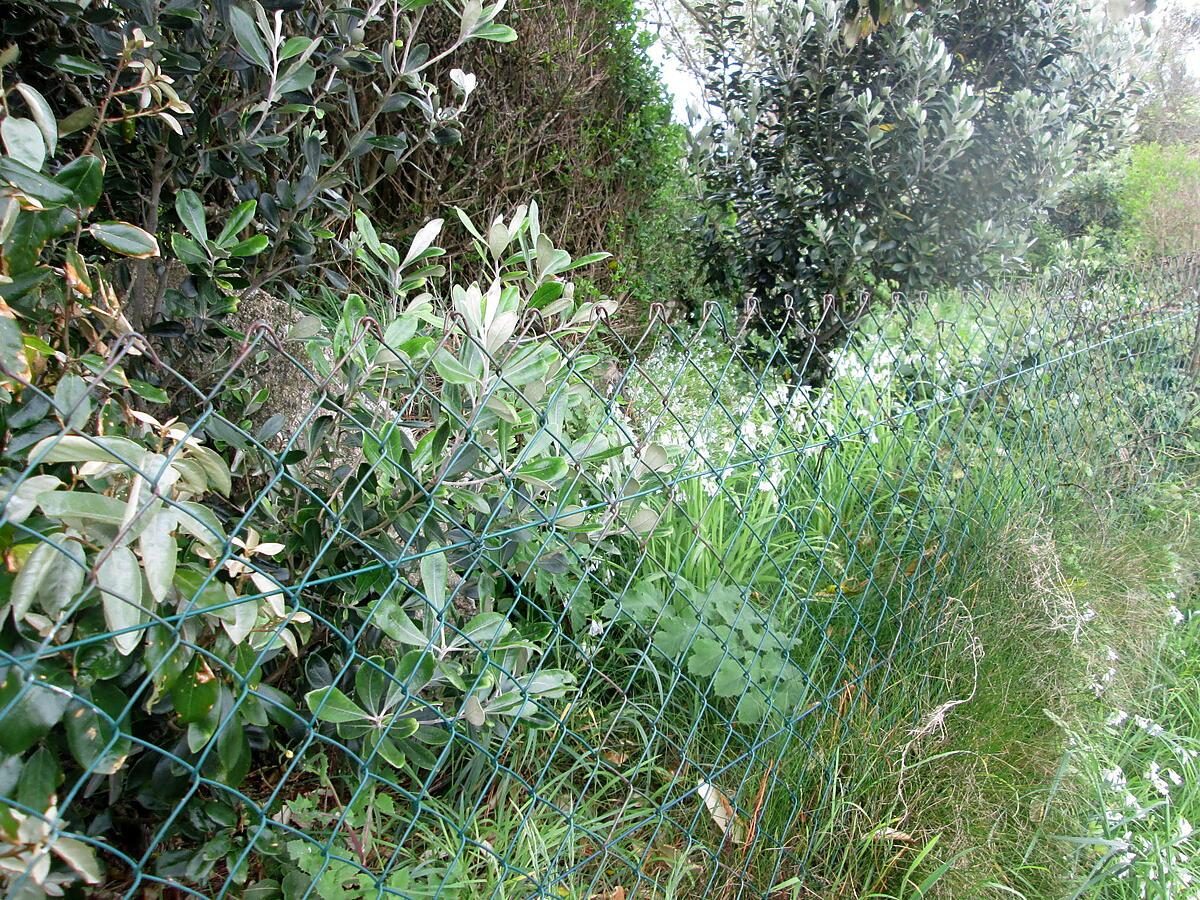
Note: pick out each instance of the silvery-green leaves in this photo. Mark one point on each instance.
(382, 714)
(217, 257)
(138, 510)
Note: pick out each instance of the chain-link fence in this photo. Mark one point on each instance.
(495, 602)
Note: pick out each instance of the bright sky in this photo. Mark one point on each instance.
(683, 86)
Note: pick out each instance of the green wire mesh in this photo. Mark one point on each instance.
(695, 615)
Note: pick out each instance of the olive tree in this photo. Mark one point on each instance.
(890, 145)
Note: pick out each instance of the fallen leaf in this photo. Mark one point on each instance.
(720, 809)
(892, 834)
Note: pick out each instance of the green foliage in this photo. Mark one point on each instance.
(724, 642)
(1158, 198)
(467, 594)
(854, 151)
(574, 113)
(288, 109)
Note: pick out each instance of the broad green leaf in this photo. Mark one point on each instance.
(231, 763)
(501, 34)
(503, 409)
(729, 680)
(23, 141)
(451, 370)
(53, 574)
(188, 251)
(82, 506)
(376, 688)
(190, 211)
(543, 472)
(73, 401)
(422, 241)
(76, 121)
(331, 705)
(298, 78)
(559, 261)
(704, 657)
(28, 710)
(547, 294)
(25, 498)
(751, 709)
(75, 448)
(251, 246)
(74, 65)
(434, 576)
(33, 184)
(497, 239)
(215, 468)
(415, 670)
(120, 581)
(201, 523)
(166, 657)
(159, 553)
(389, 752)
(195, 692)
(39, 779)
(393, 621)
(79, 856)
(13, 361)
(366, 230)
(249, 39)
(239, 620)
(482, 631)
(400, 331)
(468, 224)
(531, 364)
(84, 177)
(95, 730)
(241, 216)
(126, 239)
(42, 114)
(587, 260)
(471, 15)
(294, 46)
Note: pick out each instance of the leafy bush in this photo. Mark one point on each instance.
(299, 111)
(1160, 200)
(575, 112)
(726, 644)
(152, 605)
(867, 146)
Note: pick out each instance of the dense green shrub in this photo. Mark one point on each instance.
(1160, 199)
(862, 148)
(575, 114)
(301, 111)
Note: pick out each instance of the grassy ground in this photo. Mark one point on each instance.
(1056, 754)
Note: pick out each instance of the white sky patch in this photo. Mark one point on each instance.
(683, 87)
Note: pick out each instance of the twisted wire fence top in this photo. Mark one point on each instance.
(507, 606)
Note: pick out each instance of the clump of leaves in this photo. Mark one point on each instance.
(725, 642)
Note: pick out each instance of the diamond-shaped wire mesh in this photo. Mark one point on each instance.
(613, 620)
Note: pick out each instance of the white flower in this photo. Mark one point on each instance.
(1114, 778)
(1155, 778)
